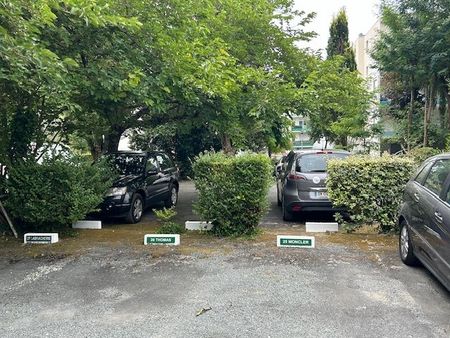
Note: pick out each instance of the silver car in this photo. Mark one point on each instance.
(301, 182)
(425, 218)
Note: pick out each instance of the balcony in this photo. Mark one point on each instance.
(300, 129)
(303, 144)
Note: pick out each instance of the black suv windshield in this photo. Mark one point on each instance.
(129, 164)
(316, 163)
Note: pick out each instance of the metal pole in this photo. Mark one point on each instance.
(8, 220)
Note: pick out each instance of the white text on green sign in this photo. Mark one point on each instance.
(295, 241)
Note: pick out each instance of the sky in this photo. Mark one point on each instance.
(362, 14)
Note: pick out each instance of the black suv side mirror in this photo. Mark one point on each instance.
(152, 171)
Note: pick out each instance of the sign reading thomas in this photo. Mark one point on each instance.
(162, 239)
(40, 238)
(286, 241)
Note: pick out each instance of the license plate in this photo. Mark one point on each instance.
(319, 194)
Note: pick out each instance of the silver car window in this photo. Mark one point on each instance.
(437, 176)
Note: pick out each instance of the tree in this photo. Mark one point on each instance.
(415, 47)
(35, 81)
(338, 42)
(337, 102)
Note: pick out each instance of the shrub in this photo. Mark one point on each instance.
(232, 191)
(418, 155)
(369, 188)
(168, 226)
(56, 193)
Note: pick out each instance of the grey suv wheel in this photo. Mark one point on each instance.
(405, 246)
(287, 216)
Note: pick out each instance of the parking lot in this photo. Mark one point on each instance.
(351, 285)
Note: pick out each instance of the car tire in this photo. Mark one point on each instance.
(287, 216)
(406, 250)
(173, 197)
(136, 209)
(278, 197)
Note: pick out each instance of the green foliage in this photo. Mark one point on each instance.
(338, 43)
(168, 226)
(370, 189)
(165, 214)
(171, 228)
(414, 49)
(419, 155)
(232, 191)
(56, 193)
(336, 101)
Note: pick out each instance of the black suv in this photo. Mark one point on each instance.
(145, 178)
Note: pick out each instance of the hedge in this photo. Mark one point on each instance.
(232, 191)
(54, 194)
(418, 155)
(370, 189)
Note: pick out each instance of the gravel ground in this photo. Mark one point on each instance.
(253, 289)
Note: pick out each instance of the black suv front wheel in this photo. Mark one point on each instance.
(173, 197)
(136, 209)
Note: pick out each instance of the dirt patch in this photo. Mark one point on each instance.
(199, 244)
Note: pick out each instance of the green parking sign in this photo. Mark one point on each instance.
(287, 241)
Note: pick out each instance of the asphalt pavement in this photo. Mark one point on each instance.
(251, 289)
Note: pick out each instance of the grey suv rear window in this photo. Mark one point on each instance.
(311, 163)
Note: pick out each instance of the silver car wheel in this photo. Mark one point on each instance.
(137, 209)
(404, 242)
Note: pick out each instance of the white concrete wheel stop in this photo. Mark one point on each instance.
(84, 224)
(198, 225)
(322, 227)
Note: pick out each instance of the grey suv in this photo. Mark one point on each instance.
(425, 218)
(301, 182)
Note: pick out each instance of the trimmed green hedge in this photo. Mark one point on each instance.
(370, 189)
(232, 191)
(56, 193)
(418, 155)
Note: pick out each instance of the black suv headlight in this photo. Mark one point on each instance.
(116, 191)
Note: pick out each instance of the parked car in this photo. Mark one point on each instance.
(279, 164)
(301, 182)
(425, 218)
(146, 178)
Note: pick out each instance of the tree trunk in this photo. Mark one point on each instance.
(448, 107)
(96, 150)
(112, 139)
(343, 141)
(226, 144)
(410, 119)
(425, 117)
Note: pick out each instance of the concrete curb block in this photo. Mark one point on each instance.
(87, 225)
(198, 225)
(321, 227)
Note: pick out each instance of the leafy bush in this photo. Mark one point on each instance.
(369, 188)
(56, 193)
(418, 155)
(232, 191)
(168, 226)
